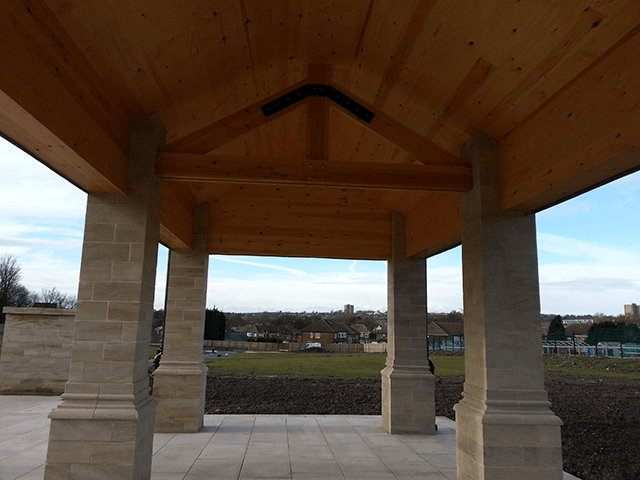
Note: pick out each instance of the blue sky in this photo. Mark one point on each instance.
(588, 253)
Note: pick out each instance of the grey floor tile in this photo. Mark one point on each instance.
(329, 420)
(329, 469)
(265, 468)
(342, 428)
(304, 429)
(268, 438)
(432, 448)
(193, 441)
(314, 452)
(306, 420)
(231, 439)
(364, 468)
(306, 439)
(383, 440)
(369, 430)
(364, 420)
(344, 438)
(347, 451)
(207, 469)
(406, 469)
(36, 474)
(174, 459)
(266, 420)
(224, 451)
(452, 474)
(268, 449)
(441, 461)
(244, 447)
(315, 476)
(396, 454)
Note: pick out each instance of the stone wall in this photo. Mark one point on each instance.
(298, 346)
(36, 350)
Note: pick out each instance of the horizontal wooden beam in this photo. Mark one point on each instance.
(55, 105)
(359, 175)
(433, 225)
(176, 216)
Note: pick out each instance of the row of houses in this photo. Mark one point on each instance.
(321, 331)
(441, 335)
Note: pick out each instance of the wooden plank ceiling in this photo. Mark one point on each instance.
(556, 82)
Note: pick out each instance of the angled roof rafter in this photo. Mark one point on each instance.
(308, 91)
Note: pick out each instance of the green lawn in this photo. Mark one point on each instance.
(364, 365)
(594, 366)
(368, 365)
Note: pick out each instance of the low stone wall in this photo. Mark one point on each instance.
(36, 350)
(297, 346)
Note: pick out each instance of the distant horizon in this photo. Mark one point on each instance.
(588, 254)
(356, 311)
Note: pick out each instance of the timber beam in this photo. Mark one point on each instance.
(312, 172)
(402, 136)
(221, 132)
(176, 216)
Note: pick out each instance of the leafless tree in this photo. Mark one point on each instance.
(52, 295)
(12, 292)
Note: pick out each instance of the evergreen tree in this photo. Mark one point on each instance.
(613, 332)
(556, 329)
(215, 324)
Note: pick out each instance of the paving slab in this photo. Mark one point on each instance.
(247, 447)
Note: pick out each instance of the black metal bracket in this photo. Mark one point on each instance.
(312, 90)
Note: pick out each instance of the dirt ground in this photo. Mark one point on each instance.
(600, 436)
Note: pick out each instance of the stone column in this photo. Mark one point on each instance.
(104, 426)
(408, 404)
(180, 382)
(504, 426)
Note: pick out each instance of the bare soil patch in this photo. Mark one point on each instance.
(600, 436)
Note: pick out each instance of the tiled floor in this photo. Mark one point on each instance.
(303, 447)
(239, 447)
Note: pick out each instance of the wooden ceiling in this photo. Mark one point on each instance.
(556, 82)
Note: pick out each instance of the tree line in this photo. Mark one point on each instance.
(14, 294)
(604, 331)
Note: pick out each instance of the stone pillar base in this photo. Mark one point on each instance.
(499, 439)
(408, 405)
(180, 390)
(112, 439)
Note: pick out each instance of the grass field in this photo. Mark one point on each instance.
(594, 366)
(369, 365)
(364, 365)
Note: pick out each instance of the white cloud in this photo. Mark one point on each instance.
(444, 288)
(38, 243)
(44, 269)
(292, 271)
(591, 251)
(313, 292)
(591, 277)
